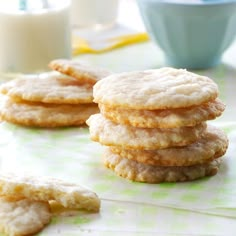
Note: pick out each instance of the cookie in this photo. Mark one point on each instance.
(140, 172)
(165, 118)
(109, 133)
(164, 88)
(86, 74)
(47, 88)
(47, 115)
(3, 99)
(23, 216)
(212, 145)
(36, 188)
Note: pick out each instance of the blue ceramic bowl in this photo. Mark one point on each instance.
(192, 34)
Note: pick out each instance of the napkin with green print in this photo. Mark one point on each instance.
(132, 219)
(68, 153)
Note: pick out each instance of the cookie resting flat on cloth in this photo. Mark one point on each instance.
(140, 172)
(47, 115)
(23, 216)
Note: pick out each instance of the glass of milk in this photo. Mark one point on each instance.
(32, 33)
(94, 13)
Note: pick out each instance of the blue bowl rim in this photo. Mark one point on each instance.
(192, 3)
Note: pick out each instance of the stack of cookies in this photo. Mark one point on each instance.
(153, 124)
(63, 97)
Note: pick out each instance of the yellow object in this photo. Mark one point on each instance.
(84, 46)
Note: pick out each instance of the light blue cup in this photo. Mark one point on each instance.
(192, 34)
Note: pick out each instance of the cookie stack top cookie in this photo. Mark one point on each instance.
(165, 88)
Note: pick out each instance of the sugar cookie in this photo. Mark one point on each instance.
(140, 172)
(47, 115)
(164, 118)
(86, 74)
(23, 216)
(46, 188)
(47, 88)
(164, 88)
(212, 145)
(109, 133)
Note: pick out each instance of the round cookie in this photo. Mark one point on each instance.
(140, 172)
(212, 145)
(165, 118)
(47, 115)
(86, 74)
(48, 88)
(109, 133)
(164, 88)
(23, 216)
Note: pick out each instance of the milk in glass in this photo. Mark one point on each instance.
(94, 13)
(30, 38)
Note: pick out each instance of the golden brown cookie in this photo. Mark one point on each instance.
(140, 172)
(86, 74)
(47, 88)
(23, 216)
(3, 99)
(164, 88)
(42, 188)
(165, 118)
(212, 145)
(109, 133)
(47, 115)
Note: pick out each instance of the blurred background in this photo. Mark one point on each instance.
(120, 35)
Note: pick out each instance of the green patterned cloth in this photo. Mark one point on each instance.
(203, 207)
(126, 206)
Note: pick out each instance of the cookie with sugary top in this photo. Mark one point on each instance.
(47, 115)
(86, 74)
(109, 133)
(140, 172)
(48, 88)
(164, 118)
(164, 88)
(20, 217)
(43, 188)
(212, 145)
